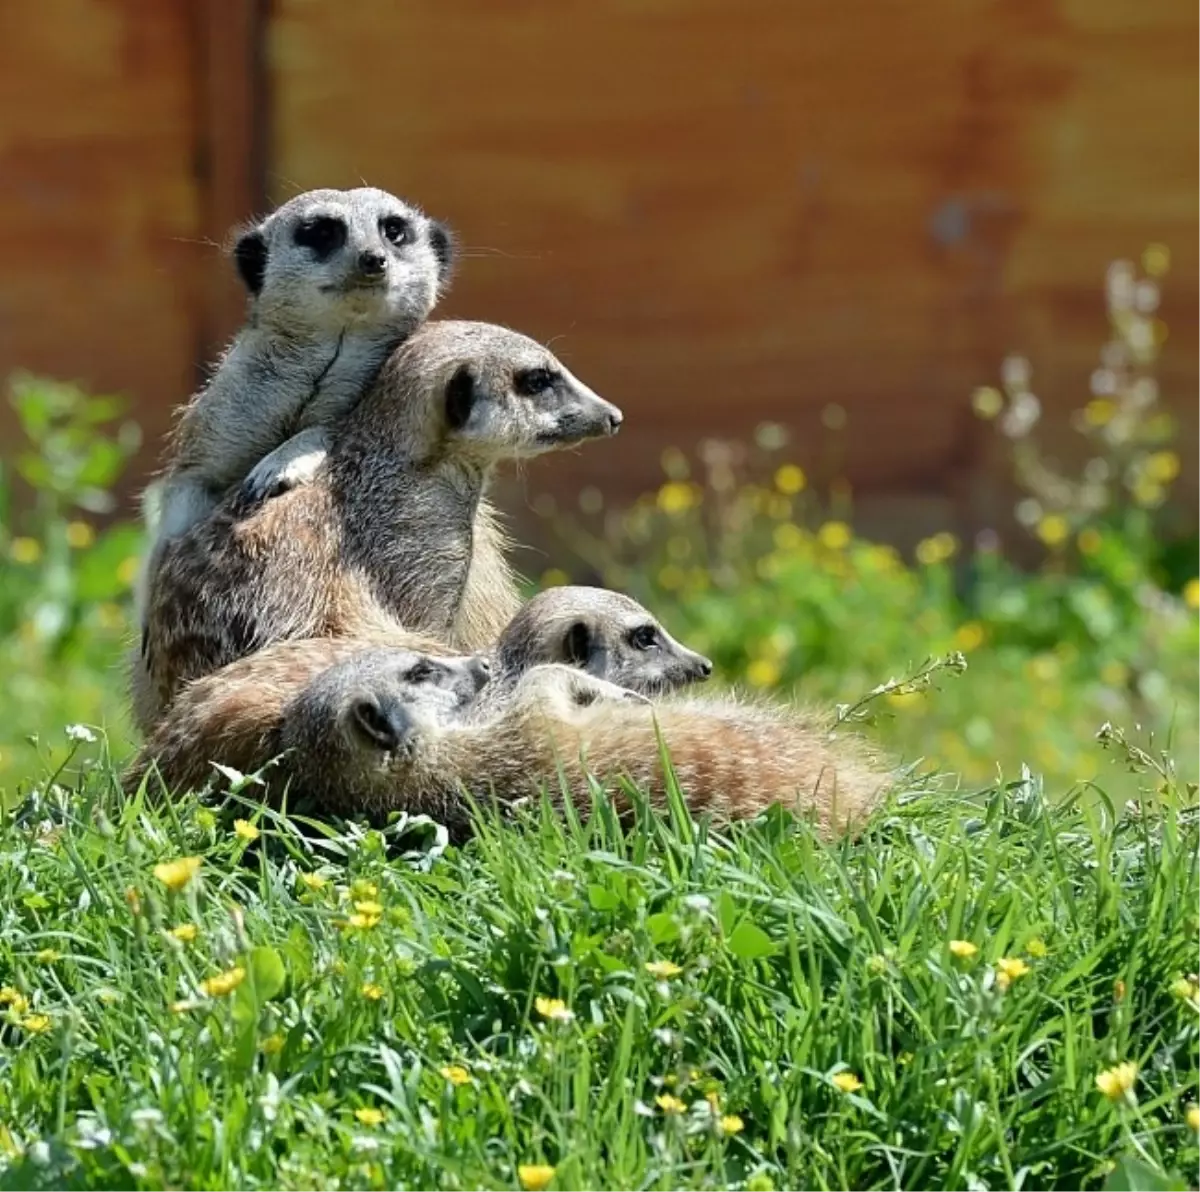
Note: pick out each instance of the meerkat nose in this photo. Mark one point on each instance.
(615, 418)
(371, 263)
(704, 666)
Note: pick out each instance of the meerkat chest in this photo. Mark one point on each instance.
(333, 387)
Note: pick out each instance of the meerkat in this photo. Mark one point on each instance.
(605, 633)
(559, 727)
(335, 280)
(393, 534)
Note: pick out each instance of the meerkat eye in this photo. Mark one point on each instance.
(322, 233)
(396, 229)
(643, 637)
(421, 672)
(529, 382)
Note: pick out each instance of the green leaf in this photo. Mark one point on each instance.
(267, 972)
(1132, 1174)
(726, 912)
(662, 928)
(602, 899)
(748, 942)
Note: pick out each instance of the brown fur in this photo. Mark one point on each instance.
(731, 758)
(393, 537)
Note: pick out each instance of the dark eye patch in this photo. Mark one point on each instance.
(324, 234)
(529, 382)
(643, 637)
(421, 672)
(397, 230)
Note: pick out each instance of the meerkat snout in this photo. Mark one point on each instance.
(372, 263)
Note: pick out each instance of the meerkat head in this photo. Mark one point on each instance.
(329, 260)
(604, 633)
(372, 709)
(483, 393)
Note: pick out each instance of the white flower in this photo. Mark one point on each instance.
(80, 734)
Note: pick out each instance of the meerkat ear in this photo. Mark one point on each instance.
(462, 392)
(383, 724)
(445, 249)
(577, 644)
(250, 256)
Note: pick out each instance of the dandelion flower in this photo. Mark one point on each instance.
(224, 983)
(834, 535)
(272, 1044)
(456, 1074)
(48, 956)
(847, 1082)
(790, 480)
(25, 550)
(371, 991)
(1053, 529)
(1191, 593)
(185, 932)
(35, 1024)
(1193, 1117)
(663, 969)
(669, 1104)
(363, 922)
(732, 1124)
(245, 830)
(676, 496)
(369, 908)
(369, 1115)
(1010, 969)
(174, 874)
(1185, 989)
(555, 1009)
(1115, 1083)
(963, 949)
(1037, 948)
(534, 1176)
(361, 888)
(314, 881)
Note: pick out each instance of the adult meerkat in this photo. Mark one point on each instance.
(335, 280)
(605, 633)
(393, 534)
(558, 726)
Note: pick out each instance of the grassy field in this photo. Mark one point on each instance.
(991, 991)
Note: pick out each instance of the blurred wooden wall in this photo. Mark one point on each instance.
(717, 214)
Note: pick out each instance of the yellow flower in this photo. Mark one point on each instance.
(1191, 593)
(25, 550)
(534, 1176)
(35, 1024)
(369, 907)
(1162, 466)
(371, 991)
(1037, 948)
(1184, 989)
(1099, 411)
(676, 497)
(175, 874)
(245, 830)
(987, 401)
(1156, 259)
(361, 888)
(763, 672)
(456, 1074)
(969, 637)
(847, 1082)
(369, 1116)
(1089, 541)
(963, 949)
(555, 578)
(314, 881)
(127, 571)
(1148, 493)
(663, 969)
(1010, 969)
(80, 535)
(790, 480)
(834, 535)
(363, 922)
(1193, 1116)
(1053, 530)
(224, 983)
(185, 932)
(939, 548)
(1116, 1082)
(48, 956)
(553, 1008)
(272, 1044)
(669, 1104)
(732, 1124)
(14, 998)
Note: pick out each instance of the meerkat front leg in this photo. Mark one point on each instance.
(289, 466)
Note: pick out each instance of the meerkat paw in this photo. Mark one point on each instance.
(289, 466)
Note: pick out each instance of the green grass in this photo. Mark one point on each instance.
(796, 962)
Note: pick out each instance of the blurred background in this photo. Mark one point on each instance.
(900, 303)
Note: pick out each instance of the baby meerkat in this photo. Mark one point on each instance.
(605, 633)
(336, 279)
(393, 534)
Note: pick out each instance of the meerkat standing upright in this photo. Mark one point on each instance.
(336, 280)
